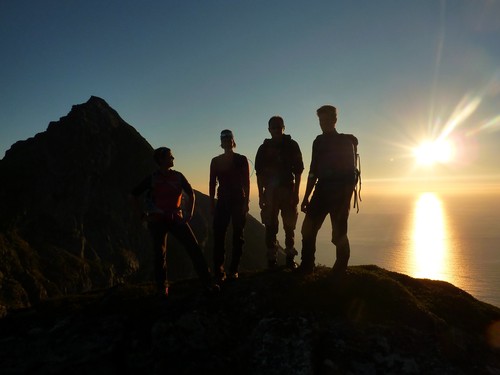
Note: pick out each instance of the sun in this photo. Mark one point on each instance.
(429, 153)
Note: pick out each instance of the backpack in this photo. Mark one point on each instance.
(341, 162)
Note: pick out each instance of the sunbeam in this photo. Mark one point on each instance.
(444, 148)
(489, 125)
(463, 110)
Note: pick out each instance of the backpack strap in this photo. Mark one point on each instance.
(357, 186)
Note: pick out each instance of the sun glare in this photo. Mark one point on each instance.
(432, 152)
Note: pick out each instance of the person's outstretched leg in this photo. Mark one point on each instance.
(186, 237)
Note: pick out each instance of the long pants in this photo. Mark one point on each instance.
(334, 201)
(225, 211)
(276, 200)
(183, 232)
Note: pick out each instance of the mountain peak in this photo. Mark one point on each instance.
(94, 116)
(95, 112)
(95, 100)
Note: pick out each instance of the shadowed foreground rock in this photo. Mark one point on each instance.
(373, 322)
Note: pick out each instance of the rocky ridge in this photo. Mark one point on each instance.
(268, 322)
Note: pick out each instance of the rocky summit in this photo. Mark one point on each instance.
(268, 322)
(66, 225)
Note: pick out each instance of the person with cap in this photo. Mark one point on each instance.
(333, 176)
(230, 175)
(279, 167)
(164, 215)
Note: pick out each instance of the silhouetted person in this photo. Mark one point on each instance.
(230, 172)
(333, 177)
(279, 167)
(164, 215)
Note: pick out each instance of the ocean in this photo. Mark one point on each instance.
(454, 238)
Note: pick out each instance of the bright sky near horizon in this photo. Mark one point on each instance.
(401, 73)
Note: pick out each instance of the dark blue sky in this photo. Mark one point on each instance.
(400, 72)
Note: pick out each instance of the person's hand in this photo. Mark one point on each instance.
(304, 205)
(294, 200)
(262, 202)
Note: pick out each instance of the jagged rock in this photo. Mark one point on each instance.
(283, 346)
(66, 223)
(127, 329)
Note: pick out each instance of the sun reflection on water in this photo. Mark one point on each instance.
(430, 239)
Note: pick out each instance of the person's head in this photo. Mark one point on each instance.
(163, 157)
(327, 116)
(276, 126)
(227, 139)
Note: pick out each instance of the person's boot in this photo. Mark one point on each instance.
(272, 257)
(219, 277)
(290, 255)
(272, 264)
(305, 269)
(290, 263)
(338, 271)
(212, 288)
(162, 290)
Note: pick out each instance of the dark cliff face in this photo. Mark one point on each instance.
(66, 224)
